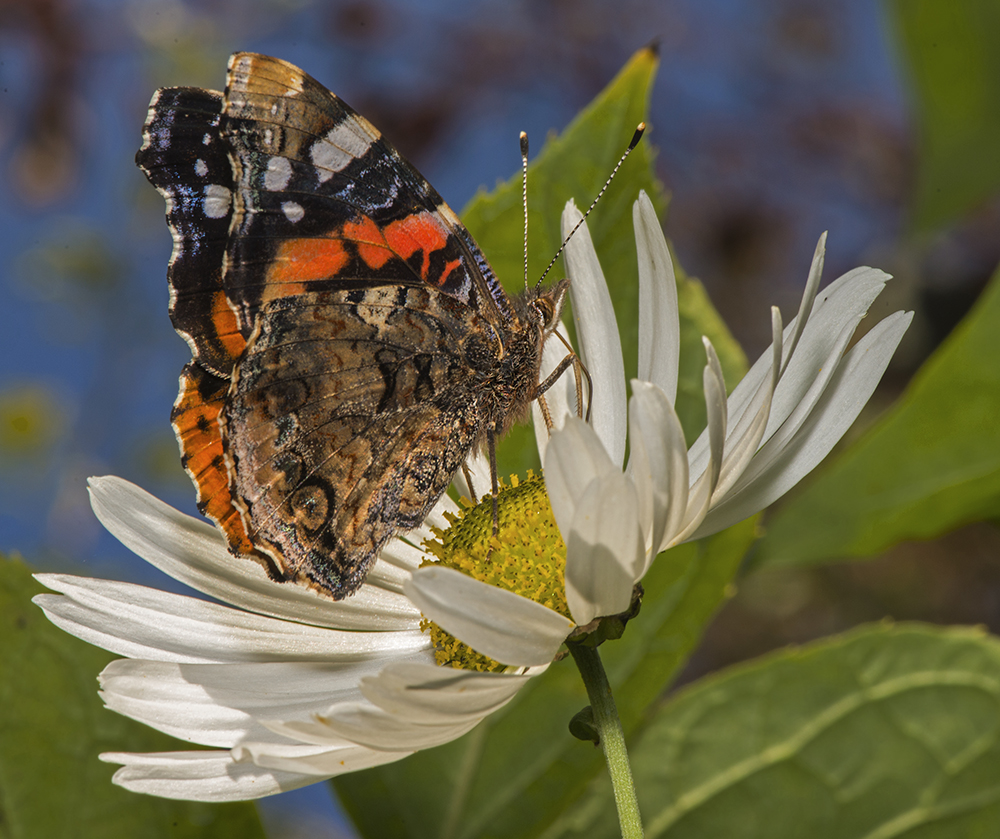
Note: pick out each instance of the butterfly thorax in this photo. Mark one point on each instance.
(512, 383)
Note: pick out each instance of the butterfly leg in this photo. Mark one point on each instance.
(468, 480)
(580, 373)
(491, 444)
(543, 406)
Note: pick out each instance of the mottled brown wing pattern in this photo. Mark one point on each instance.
(349, 415)
(350, 342)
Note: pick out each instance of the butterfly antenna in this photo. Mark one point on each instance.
(640, 128)
(524, 199)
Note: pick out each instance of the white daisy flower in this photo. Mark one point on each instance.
(783, 418)
(289, 688)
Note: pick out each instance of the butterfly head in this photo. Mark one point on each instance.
(546, 305)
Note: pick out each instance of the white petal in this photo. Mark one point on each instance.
(597, 333)
(659, 321)
(141, 622)
(772, 448)
(364, 724)
(194, 552)
(654, 423)
(575, 457)
(497, 623)
(808, 294)
(219, 704)
(316, 762)
(200, 776)
(841, 402)
(745, 435)
(427, 693)
(703, 485)
(839, 306)
(639, 470)
(605, 549)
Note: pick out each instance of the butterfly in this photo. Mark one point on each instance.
(351, 345)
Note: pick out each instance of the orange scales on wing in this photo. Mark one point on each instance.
(417, 232)
(300, 261)
(195, 418)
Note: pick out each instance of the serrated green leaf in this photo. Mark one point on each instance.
(887, 731)
(54, 726)
(931, 464)
(952, 53)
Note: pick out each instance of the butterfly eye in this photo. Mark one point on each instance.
(546, 311)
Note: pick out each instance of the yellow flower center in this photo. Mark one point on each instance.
(527, 556)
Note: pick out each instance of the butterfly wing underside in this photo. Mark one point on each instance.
(340, 317)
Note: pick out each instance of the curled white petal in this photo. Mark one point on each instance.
(314, 762)
(659, 319)
(605, 549)
(194, 552)
(841, 402)
(655, 427)
(141, 622)
(575, 457)
(220, 704)
(497, 623)
(200, 776)
(597, 332)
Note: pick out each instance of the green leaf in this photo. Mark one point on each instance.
(53, 727)
(952, 52)
(931, 464)
(886, 732)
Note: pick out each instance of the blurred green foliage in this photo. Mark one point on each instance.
(951, 56)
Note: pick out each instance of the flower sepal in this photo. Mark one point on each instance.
(608, 627)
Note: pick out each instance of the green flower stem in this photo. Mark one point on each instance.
(609, 728)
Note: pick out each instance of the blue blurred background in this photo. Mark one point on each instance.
(775, 120)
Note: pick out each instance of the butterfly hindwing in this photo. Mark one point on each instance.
(349, 415)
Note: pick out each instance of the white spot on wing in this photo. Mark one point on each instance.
(342, 144)
(200, 168)
(206, 140)
(217, 200)
(278, 174)
(293, 212)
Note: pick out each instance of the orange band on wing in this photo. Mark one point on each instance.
(226, 328)
(368, 239)
(300, 261)
(196, 421)
(419, 232)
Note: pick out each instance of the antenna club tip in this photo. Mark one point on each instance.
(640, 128)
(524, 143)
